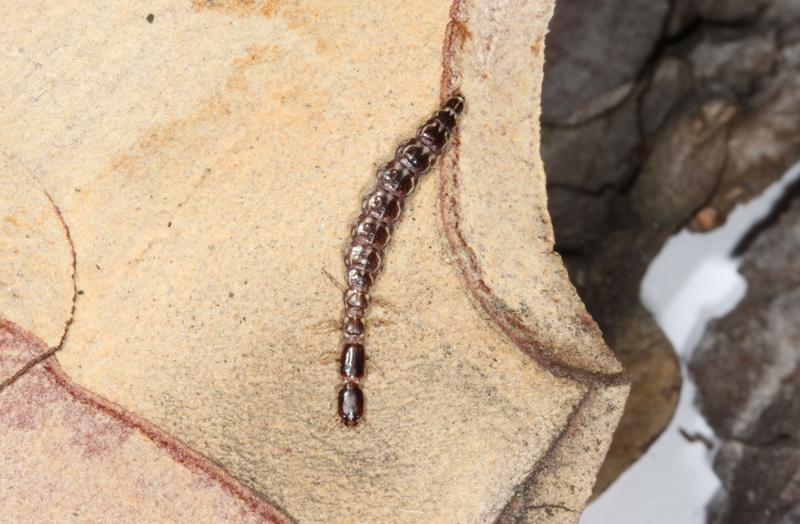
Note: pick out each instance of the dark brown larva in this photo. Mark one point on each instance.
(380, 211)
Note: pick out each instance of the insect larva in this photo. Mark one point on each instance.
(372, 231)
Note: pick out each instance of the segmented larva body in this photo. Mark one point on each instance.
(372, 231)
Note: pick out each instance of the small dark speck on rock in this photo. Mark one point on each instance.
(150, 18)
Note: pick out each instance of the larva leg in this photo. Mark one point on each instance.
(334, 280)
(324, 326)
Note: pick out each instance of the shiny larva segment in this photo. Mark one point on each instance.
(354, 327)
(395, 178)
(372, 231)
(356, 298)
(351, 403)
(447, 117)
(363, 255)
(415, 156)
(380, 211)
(434, 135)
(383, 205)
(353, 361)
(358, 278)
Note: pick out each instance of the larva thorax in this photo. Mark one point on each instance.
(381, 208)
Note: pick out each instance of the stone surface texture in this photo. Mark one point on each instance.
(696, 112)
(34, 247)
(747, 368)
(206, 162)
(70, 456)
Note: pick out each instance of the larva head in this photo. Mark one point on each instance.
(456, 103)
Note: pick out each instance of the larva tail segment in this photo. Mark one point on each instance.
(381, 208)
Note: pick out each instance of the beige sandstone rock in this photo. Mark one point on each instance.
(69, 455)
(36, 258)
(208, 164)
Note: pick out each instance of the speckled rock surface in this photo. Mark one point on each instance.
(697, 112)
(36, 257)
(747, 369)
(207, 162)
(70, 456)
